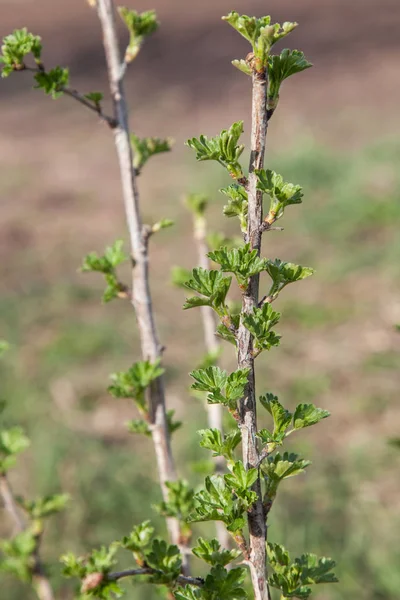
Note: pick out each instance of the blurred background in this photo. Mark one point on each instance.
(336, 133)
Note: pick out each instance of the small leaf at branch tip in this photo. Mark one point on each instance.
(242, 66)
(163, 224)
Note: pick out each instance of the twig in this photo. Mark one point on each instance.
(182, 579)
(40, 580)
(141, 297)
(247, 408)
(76, 96)
(214, 411)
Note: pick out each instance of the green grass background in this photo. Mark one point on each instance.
(339, 350)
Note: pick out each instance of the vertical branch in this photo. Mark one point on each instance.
(247, 409)
(141, 297)
(214, 411)
(39, 578)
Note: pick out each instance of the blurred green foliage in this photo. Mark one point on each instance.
(348, 231)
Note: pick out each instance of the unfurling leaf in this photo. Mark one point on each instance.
(16, 47)
(221, 387)
(223, 148)
(237, 204)
(294, 578)
(139, 25)
(281, 194)
(210, 551)
(52, 82)
(282, 66)
(221, 445)
(145, 148)
(243, 262)
(212, 285)
(283, 273)
(134, 382)
(260, 323)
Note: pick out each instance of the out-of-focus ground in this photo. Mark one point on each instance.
(336, 133)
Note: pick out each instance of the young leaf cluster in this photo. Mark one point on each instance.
(213, 287)
(219, 584)
(223, 148)
(243, 262)
(220, 387)
(12, 441)
(261, 34)
(293, 579)
(145, 148)
(304, 415)
(281, 194)
(219, 444)
(142, 427)
(227, 498)
(282, 273)
(134, 382)
(140, 26)
(280, 67)
(107, 264)
(16, 47)
(260, 323)
(237, 204)
(52, 82)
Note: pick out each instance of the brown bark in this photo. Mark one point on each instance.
(247, 408)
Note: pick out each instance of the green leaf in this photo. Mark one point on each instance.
(260, 33)
(240, 481)
(282, 417)
(95, 97)
(166, 560)
(134, 382)
(308, 414)
(42, 508)
(223, 148)
(279, 467)
(139, 25)
(220, 388)
(12, 442)
(229, 333)
(294, 578)
(219, 444)
(180, 503)
(162, 224)
(106, 264)
(242, 66)
(139, 538)
(52, 82)
(281, 194)
(237, 204)
(283, 273)
(260, 323)
(17, 554)
(243, 262)
(16, 47)
(282, 66)
(210, 551)
(139, 426)
(145, 148)
(211, 284)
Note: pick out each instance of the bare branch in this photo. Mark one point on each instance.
(40, 581)
(141, 297)
(214, 411)
(247, 407)
(182, 579)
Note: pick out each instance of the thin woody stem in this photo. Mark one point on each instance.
(141, 296)
(247, 407)
(81, 98)
(214, 411)
(182, 579)
(40, 581)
